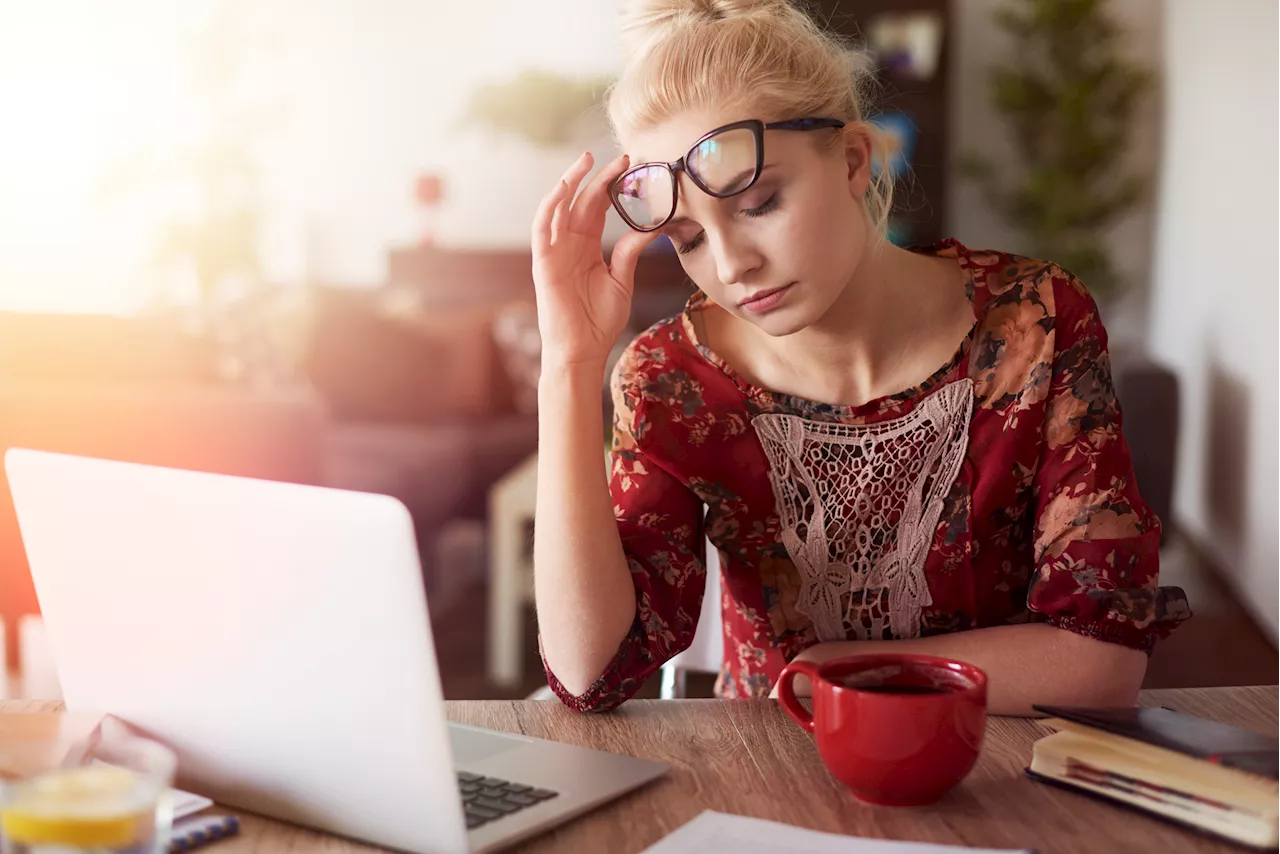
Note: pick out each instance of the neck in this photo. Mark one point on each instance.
(867, 336)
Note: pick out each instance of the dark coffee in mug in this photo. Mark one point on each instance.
(901, 681)
(892, 689)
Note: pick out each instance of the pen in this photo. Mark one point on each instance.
(193, 833)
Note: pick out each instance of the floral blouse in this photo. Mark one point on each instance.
(999, 491)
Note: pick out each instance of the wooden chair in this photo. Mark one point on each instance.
(706, 653)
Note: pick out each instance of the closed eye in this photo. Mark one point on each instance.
(769, 206)
(690, 245)
(696, 242)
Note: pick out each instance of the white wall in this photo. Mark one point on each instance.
(977, 127)
(374, 94)
(1214, 298)
(353, 100)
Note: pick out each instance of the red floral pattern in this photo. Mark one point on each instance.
(1043, 523)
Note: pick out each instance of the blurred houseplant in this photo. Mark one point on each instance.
(545, 108)
(1069, 96)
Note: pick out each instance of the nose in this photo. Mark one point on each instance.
(735, 255)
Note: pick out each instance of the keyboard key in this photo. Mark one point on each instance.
(497, 804)
(486, 799)
(482, 812)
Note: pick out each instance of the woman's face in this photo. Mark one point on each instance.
(781, 253)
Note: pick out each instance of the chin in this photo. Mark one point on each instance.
(779, 323)
(797, 313)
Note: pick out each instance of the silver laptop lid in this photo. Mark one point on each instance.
(234, 619)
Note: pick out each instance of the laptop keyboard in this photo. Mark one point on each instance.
(486, 799)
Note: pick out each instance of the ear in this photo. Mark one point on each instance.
(857, 156)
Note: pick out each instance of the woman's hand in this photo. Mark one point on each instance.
(583, 303)
(799, 685)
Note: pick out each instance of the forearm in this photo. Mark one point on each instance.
(584, 593)
(1025, 665)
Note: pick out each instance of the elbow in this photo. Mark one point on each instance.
(597, 686)
(580, 695)
(589, 702)
(571, 677)
(592, 699)
(1110, 674)
(575, 683)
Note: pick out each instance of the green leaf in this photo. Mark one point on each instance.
(1068, 100)
(541, 106)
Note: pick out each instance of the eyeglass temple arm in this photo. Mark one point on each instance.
(804, 124)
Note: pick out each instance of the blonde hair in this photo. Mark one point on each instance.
(768, 53)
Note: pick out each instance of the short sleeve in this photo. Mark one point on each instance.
(1097, 542)
(661, 524)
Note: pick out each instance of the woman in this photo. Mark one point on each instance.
(908, 450)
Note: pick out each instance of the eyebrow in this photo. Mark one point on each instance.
(675, 220)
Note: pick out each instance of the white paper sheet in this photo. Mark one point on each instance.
(717, 831)
(185, 803)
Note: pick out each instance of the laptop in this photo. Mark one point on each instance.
(277, 637)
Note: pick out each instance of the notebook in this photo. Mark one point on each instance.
(1202, 774)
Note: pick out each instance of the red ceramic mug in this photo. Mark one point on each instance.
(897, 729)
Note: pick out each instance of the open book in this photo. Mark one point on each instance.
(1206, 775)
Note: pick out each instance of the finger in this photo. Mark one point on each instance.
(626, 255)
(587, 213)
(572, 178)
(541, 237)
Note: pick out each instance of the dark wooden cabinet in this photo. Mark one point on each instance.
(920, 211)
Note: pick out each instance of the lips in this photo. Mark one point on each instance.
(765, 300)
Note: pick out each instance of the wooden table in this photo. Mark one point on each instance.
(747, 757)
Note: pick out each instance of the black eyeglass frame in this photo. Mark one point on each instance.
(756, 126)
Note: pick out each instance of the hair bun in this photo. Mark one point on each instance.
(646, 20)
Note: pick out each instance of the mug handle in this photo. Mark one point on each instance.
(787, 695)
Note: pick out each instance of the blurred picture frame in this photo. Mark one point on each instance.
(907, 44)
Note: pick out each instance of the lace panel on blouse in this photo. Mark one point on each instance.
(859, 506)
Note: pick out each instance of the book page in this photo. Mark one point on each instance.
(717, 831)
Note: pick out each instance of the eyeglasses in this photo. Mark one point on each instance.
(723, 163)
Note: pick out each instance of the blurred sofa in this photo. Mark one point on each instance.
(420, 405)
(138, 391)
